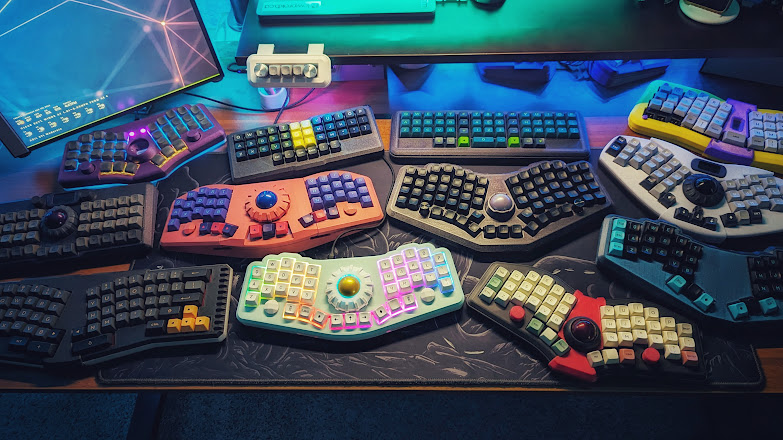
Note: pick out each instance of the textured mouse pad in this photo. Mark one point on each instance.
(459, 349)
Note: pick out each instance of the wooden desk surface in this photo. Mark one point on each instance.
(599, 129)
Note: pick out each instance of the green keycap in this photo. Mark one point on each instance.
(463, 141)
(495, 283)
(676, 283)
(704, 302)
(561, 347)
(513, 142)
(535, 326)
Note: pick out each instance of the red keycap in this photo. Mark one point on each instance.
(255, 232)
(319, 216)
(217, 228)
(627, 356)
(281, 229)
(651, 355)
(690, 358)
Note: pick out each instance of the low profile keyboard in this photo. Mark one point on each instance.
(257, 219)
(60, 229)
(518, 211)
(589, 338)
(350, 298)
(727, 130)
(85, 320)
(315, 144)
(711, 284)
(475, 135)
(709, 200)
(140, 151)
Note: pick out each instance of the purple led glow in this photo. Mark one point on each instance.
(133, 133)
(356, 320)
(385, 318)
(143, 130)
(410, 307)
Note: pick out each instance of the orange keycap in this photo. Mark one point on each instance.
(190, 312)
(188, 325)
(173, 326)
(202, 324)
(690, 358)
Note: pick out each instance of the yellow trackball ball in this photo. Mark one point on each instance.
(348, 286)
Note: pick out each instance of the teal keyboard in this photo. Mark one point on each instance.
(350, 298)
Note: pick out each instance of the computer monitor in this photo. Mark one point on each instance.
(68, 65)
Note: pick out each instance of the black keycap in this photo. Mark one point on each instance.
(92, 345)
(155, 328)
(184, 299)
(18, 344)
(41, 349)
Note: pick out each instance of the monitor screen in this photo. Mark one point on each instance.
(70, 64)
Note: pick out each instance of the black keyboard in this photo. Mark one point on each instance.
(91, 319)
(59, 229)
(513, 212)
(460, 135)
(298, 148)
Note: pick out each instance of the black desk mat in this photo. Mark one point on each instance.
(458, 349)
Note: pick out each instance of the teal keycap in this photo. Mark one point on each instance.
(616, 249)
(535, 326)
(495, 283)
(769, 306)
(704, 302)
(619, 224)
(560, 347)
(738, 311)
(483, 141)
(617, 237)
(676, 283)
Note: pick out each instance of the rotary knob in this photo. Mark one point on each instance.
(702, 190)
(59, 222)
(141, 150)
(583, 334)
(261, 70)
(500, 207)
(310, 71)
(193, 135)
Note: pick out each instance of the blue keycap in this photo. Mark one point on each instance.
(189, 205)
(363, 191)
(211, 192)
(192, 195)
(349, 186)
(346, 177)
(207, 215)
(353, 196)
(676, 283)
(219, 215)
(360, 182)
(221, 203)
(186, 217)
(366, 201)
(176, 212)
(210, 203)
(198, 213)
(316, 203)
(326, 189)
(768, 306)
(616, 249)
(267, 231)
(337, 185)
(205, 228)
(704, 302)
(323, 180)
(173, 225)
(339, 195)
(229, 230)
(334, 175)
(314, 192)
(178, 203)
(311, 183)
(738, 311)
(201, 201)
(329, 201)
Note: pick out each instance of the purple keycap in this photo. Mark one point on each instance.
(176, 212)
(201, 201)
(314, 192)
(353, 196)
(173, 225)
(339, 195)
(178, 203)
(332, 212)
(366, 201)
(229, 230)
(219, 215)
(329, 201)
(202, 191)
(192, 195)
(189, 205)
(211, 192)
(186, 217)
(317, 203)
(323, 180)
(326, 189)
(360, 181)
(221, 203)
(307, 220)
(346, 177)
(208, 213)
(311, 183)
(337, 185)
(268, 231)
(349, 186)
(363, 191)
(198, 213)
(334, 175)
(205, 228)
(225, 193)
(210, 203)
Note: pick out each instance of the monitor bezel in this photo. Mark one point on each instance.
(16, 146)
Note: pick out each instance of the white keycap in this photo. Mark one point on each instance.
(526, 287)
(516, 276)
(502, 299)
(540, 292)
(637, 161)
(271, 307)
(657, 190)
(270, 277)
(393, 290)
(610, 355)
(649, 166)
(737, 206)
(336, 321)
(608, 325)
(267, 290)
(595, 359)
(533, 277)
(348, 318)
(397, 260)
(254, 285)
(519, 298)
(409, 254)
(251, 299)
(286, 263)
(655, 341)
(543, 313)
(289, 310)
(307, 297)
(639, 337)
(687, 344)
(776, 204)
(653, 327)
(637, 322)
(555, 322)
(548, 335)
(763, 201)
(427, 266)
(700, 126)
(668, 324)
(430, 279)
(417, 279)
(670, 337)
(610, 339)
(502, 272)
(672, 352)
(257, 272)
(622, 312)
(294, 294)
(625, 339)
(413, 266)
(439, 258)
(400, 272)
(395, 306)
(364, 319)
(424, 254)
(405, 285)
(281, 290)
(636, 309)
(509, 287)
(623, 325)
(547, 282)
(622, 159)
(272, 265)
(297, 280)
(305, 312)
(569, 300)
(532, 303)
(446, 285)
(651, 313)
(562, 310)
(313, 270)
(442, 271)
(300, 267)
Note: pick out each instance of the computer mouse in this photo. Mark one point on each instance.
(489, 3)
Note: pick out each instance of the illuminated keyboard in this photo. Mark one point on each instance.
(350, 298)
(729, 130)
(426, 136)
(85, 320)
(316, 144)
(140, 151)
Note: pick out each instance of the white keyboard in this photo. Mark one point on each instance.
(709, 200)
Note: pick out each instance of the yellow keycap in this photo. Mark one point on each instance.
(296, 134)
(202, 324)
(306, 123)
(307, 132)
(298, 143)
(309, 141)
(188, 325)
(294, 126)
(190, 312)
(173, 326)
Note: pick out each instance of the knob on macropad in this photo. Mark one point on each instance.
(500, 207)
(702, 190)
(583, 334)
(266, 199)
(348, 286)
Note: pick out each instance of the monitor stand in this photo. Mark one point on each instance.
(702, 15)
